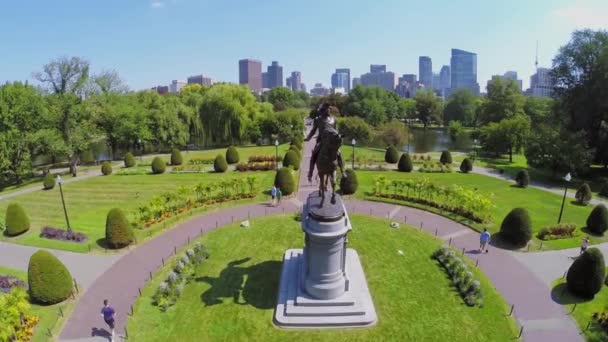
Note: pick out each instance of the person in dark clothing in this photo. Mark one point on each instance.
(107, 312)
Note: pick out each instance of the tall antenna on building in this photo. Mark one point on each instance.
(536, 60)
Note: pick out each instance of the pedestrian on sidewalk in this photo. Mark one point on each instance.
(584, 245)
(107, 312)
(273, 194)
(484, 238)
(279, 196)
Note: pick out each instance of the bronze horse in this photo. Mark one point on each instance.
(327, 163)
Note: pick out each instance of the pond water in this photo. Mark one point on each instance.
(436, 139)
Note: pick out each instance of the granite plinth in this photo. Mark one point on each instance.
(328, 212)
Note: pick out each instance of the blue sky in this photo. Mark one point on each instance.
(151, 42)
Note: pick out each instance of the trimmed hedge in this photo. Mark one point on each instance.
(158, 166)
(392, 155)
(446, 158)
(349, 185)
(16, 220)
(284, 181)
(106, 168)
(176, 157)
(291, 159)
(220, 165)
(48, 182)
(466, 166)
(583, 194)
(516, 228)
(49, 280)
(129, 160)
(405, 163)
(522, 178)
(586, 274)
(597, 222)
(232, 155)
(118, 230)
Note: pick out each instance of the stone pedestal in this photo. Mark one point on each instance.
(323, 285)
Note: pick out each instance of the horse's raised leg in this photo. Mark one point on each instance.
(322, 179)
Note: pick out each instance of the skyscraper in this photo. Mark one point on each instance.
(250, 73)
(294, 82)
(425, 70)
(377, 68)
(319, 90)
(341, 79)
(444, 78)
(176, 86)
(356, 81)
(275, 75)
(200, 79)
(378, 76)
(463, 65)
(512, 75)
(541, 83)
(265, 81)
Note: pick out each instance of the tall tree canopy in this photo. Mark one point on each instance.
(504, 100)
(428, 107)
(461, 106)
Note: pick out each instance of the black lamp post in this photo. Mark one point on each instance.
(141, 150)
(475, 149)
(567, 178)
(65, 211)
(354, 142)
(276, 153)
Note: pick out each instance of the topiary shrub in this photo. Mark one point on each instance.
(106, 168)
(220, 165)
(291, 159)
(405, 163)
(298, 142)
(176, 157)
(349, 185)
(392, 155)
(118, 229)
(446, 158)
(597, 222)
(295, 149)
(49, 280)
(522, 178)
(604, 190)
(583, 194)
(129, 160)
(516, 228)
(586, 274)
(158, 166)
(232, 155)
(16, 220)
(284, 181)
(466, 166)
(48, 182)
(87, 157)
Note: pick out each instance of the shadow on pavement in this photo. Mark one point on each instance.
(562, 296)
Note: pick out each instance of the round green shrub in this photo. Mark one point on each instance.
(129, 160)
(291, 159)
(298, 142)
(158, 166)
(446, 157)
(349, 185)
(522, 178)
(583, 194)
(405, 163)
(295, 149)
(392, 155)
(48, 182)
(16, 220)
(516, 228)
(118, 229)
(604, 190)
(586, 274)
(49, 280)
(176, 157)
(220, 165)
(466, 166)
(597, 222)
(232, 155)
(87, 157)
(284, 181)
(106, 168)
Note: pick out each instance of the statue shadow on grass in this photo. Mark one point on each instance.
(254, 285)
(562, 296)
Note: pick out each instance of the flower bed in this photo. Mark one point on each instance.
(62, 235)
(269, 158)
(183, 271)
(196, 168)
(559, 231)
(134, 171)
(7, 283)
(17, 322)
(201, 161)
(435, 168)
(462, 278)
(256, 166)
(419, 158)
(601, 319)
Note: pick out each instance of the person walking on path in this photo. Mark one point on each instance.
(584, 245)
(107, 312)
(273, 194)
(484, 238)
(279, 196)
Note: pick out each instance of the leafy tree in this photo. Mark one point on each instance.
(587, 273)
(428, 107)
(281, 98)
(455, 129)
(507, 135)
(108, 81)
(504, 100)
(559, 151)
(167, 119)
(355, 127)
(393, 133)
(539, 110)
(461, 107)
(65, 75)
(374, 104)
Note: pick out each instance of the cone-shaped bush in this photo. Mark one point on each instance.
(129, 160)
(48, 182)
(295, 149)
(597, 222)
(106, 168)
(291, 159)
(604, 190)
(586, 274)
(405, 163)
(349, 185)
(176, 157)
(17, 222)
(446, 157)
(49, 280)
(118, 230)
(284, 181)
(220, 165)
(232, 155)
(392, 155)
(522, 178)
(516, 228)
(158, 166)
(466, 166)
(298, 142)
(583, 194)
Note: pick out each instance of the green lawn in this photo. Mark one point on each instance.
(542, 206)
(50, 316)
(412, 294)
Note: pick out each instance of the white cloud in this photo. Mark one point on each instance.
(583, 14)
(157, 4)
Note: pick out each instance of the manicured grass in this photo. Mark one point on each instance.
(583, 310)
(542, 206)
(412, 294)
(50, 316)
